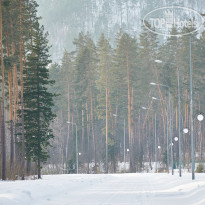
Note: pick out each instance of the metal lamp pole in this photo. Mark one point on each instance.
(155, 139)
(155, 135)
(76, 144)
(179, 114)
(154, 98)
(200, 118)
(191, 109)
(124, 148)
(179, 123)
(170, 121)
(167, 139)
(170, 126)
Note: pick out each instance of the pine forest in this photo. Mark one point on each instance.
(111, 103)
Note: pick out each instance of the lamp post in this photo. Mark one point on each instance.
(191, 105)
(179, 124)
(155, 135)
(76, 145)
(170, 119)
(200, 118)
(154, 98)
(128, 150)
(124, 148)
(191, 110)
(159, 147)
(179, 114)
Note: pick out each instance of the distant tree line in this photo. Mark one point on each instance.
(101, 85)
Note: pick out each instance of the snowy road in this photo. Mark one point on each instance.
(119, 189)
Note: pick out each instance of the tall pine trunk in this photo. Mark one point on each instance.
(11, 121)
(107, 162)
(15, 89)
(161, 102)
(88, 145)
(83, 132)
(68, 136)
(129, 107)
(92, 124)
(0, 132)
(39, 134)
(10, 105)
(22, 103)
(3, 141)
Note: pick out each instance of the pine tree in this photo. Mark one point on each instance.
(104, 86)
(81, 88)
(126, 55)
(38, 101)
(92, 73)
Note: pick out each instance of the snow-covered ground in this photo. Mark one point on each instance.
(116, 189)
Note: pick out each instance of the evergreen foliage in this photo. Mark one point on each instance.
(38, 102)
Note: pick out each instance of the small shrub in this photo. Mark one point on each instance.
(200, 168)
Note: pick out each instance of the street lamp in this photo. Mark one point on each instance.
(154, 98)
(176, 139)
(159, 147)
(76, 146)
(128, 150)
(170, 118)
(191, 104)
(179, 114)
(200, 118)
(191, 110)
(155, 135)
(158, 61)
(185, 130)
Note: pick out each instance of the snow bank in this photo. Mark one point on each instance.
(116, 189)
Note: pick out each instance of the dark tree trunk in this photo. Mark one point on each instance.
(28, 167)
(3, 142)
(22, 103)
(11, 122)
(39, 168)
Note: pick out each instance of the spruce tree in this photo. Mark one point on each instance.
(38, 101)
(126, 55)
